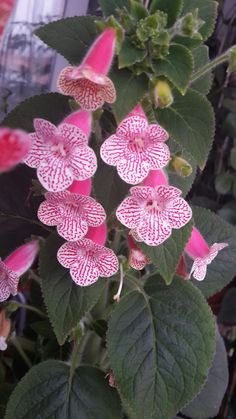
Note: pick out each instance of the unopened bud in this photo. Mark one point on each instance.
(181, 166)
(190, 25)
(162, 94)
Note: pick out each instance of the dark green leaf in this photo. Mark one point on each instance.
(51, 106)
(48, 391)
(71, 37)
(222, 270)
(66, 302)
(171, 7)
(207, 11)
(138, 10)
(227, 314)
(109, 7)
(207, 403)
(177, 66)
(223, 183)
(190, 121)
(233, 158)
(158, 353)
(166, 256)
(201, 58)
(129, 54)
(130, 90)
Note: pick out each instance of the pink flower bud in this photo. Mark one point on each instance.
(14, 147)
(22, 258)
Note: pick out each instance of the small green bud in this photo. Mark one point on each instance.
(162, 94)
(180, 166)
(190, 25)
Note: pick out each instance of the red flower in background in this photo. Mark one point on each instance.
(14, 147)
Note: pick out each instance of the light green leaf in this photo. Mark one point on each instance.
(110, 7)
(130, 90)
(48, 391)
(71, 37)
(51, 106)
(171, 7)
(207, 11)
(129, 54)
(158, 353)
(166, 256)
(222, 270)
(201, 58)
(66, 302)
(177, 67)
(191, 123)
(207, 403)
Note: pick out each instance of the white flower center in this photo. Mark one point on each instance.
(153, 204)
(139, 142)
(59, 148)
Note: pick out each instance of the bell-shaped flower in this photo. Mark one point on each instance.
(87, 260)
(15, 265)
(71, 213)
(61, 154)
(88, 83)
(152, 213)
(198, 250)
(82, 187)
(14, 147)
(137, 259)
(136, 148)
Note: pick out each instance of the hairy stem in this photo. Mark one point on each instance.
(210, 66)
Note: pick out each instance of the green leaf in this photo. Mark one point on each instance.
(201, 58)
(158, 353)
(177, 66)
(171, 7)
(222, 270)
(66, 302)
(207, 11)
(227, 314)
(223, 183)
(233, 158)
(129, 54)
(71, 37)
(191, 123)
(48, 391)
(51, 106)
(166, 256)
(130, 90)
(207, 403)
(110, 7)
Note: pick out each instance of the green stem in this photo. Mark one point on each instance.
(31, 308)
(73, 362)
(210, 66)
(22, 353)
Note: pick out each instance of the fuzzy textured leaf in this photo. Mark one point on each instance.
(71, 37)
(130, 90)
(172, 8)
(48, 391)
(191, 123)
(215, 230)
(109, 7)
(154, 341)
(201, 58)
(207, 11)
(66, 302)
(129, 54)
(166, 256)
(177, 66)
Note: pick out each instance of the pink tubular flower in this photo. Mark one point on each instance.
(14, 147)
(87, 261)
(201, 253)
(137, 259)
(151, 213)
(88, 83)
(97, 234)
(61, 155)
(136, 148)
(15, 265)
(82, 187)
(71, 213)
(155, 178)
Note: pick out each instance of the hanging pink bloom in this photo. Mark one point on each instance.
(151, 213)
(61, 155)
(14, 147)
(87, 261)
(71, 213)
(137, 259)
(201, 253)
(88, 83)
(15, 265)
(136, 148)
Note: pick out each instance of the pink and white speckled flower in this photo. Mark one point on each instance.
(152, 213)
(137, 259)
(71, 213)
(15, 265)
(136, 148)
(87, 261)
(60, 154)
(88, 83)
(202, 254)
